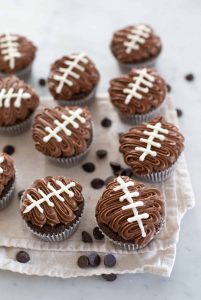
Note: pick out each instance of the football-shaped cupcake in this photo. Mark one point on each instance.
(138, 95)
(64, 134)
(152, 149)
(52, 207)
(73, 80)
(129, 213)
(16, 54)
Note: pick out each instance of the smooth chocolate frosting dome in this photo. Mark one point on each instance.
(135, 44)
(16, 53)
(151, 147)
(138, 92)
(72, 76)
(62, 131)
(130, 212)
(17, 100)
(7, 171)
(51, 201)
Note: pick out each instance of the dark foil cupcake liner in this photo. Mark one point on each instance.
(125, 68)
(6, 199)
(22, 74)
(17, 128)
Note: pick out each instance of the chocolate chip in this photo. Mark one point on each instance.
(94, 259)
(108, 180)
(97, 183)
(189, 77)
(109, 277)
(106, 122)
(116, 167)
(83, 261)
(101, 153)
(126, 172)
(86, 237)
(9, 149)
(179, 112)
(42, 82)
(98, 235)
(22, 257)
(109, 260)
(88, 167)
(169, 88)
(19, 194)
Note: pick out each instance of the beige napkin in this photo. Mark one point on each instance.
(59, 259)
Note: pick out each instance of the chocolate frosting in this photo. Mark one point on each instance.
(61, 211)
(75, 143)
(27, 52)
(86, 79)
(150, 49)
(7, 172)
(166, 155)
(109, 212)
(149, 100)
(12, 115)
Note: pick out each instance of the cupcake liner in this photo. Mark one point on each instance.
(18, 128)
(23, 74)
(82, 102)
(6, 199)
(138, 119)
(127, 67)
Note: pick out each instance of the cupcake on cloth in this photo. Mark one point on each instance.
(64, 134)
(18, 102)
(136, 46)
(138, 96)
(7, 179)
(52, 207)
(73, 80)
(152, 149)
(17, 54)
(129, 213)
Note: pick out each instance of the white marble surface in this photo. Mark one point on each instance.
(60, 27)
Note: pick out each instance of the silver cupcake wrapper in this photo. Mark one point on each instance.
(127, 67)
(18, 128)
(23, 74)
(138, 119)
(82, 102)
(6, 199)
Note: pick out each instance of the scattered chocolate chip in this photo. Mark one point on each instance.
(86, 237)
(109, 260)
(22, 257)
(179, 112)
(98, 235)
(106, 122)
(108, 180)
(116, 167)
(83, 261)
(169, 88)
(101, 153)
(97, 183)
(88, 167)
(94, 259)
(189, 77)
(109, 277)
(9, 149)
(19, 194)
(127, 172)
(42, 82)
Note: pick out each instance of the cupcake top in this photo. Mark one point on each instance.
(62, 131)
(135, 44)
(7, 171)
(16, 53)
(72, 76)
(51, 201)
(17, 100)
(130, 212)
(151, 147)
(138, 92)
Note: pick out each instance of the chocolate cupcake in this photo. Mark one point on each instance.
(63, 134)
(7, 179)
(138, 96)
(152, 149)
(73, 80)
(129, 213)
(16, 55)
(18, 101)
(136, 46)
(52, 207)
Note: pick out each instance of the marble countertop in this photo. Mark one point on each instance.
(65, 26)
